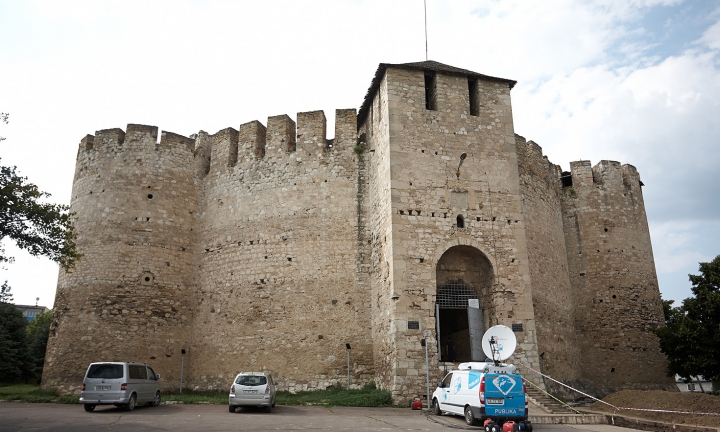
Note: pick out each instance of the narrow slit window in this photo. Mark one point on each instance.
(474, 100)
(460, 221)
(430, 91)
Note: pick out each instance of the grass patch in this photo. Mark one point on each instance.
(198, 396)
(368, 396)
(34, 394)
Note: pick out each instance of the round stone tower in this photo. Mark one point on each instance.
(129, 298)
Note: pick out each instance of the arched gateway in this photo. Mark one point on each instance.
(462, 304)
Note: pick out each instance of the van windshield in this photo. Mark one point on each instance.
(105, 371)
(251, 380)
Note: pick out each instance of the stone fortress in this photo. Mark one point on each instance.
(271, 247)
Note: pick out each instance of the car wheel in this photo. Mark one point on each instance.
(131, 403)
(470, 417)
(89, 407)
(232, 408)
(273, 404)
(436, 407)
(156, 400)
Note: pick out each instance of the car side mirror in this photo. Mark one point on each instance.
(440, 384)
(157, 377)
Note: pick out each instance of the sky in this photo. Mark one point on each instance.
(634, 81)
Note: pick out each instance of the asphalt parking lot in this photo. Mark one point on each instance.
(178, 418)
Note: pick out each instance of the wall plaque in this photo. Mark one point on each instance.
(413, 325)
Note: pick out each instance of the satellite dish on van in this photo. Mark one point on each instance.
(499, 343)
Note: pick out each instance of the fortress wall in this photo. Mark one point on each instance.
(376, 156)
(128, 298)
(552, 295)
(277, 249)
(613, 277)
(425, 146)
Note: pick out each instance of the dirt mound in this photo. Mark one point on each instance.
(664, 400)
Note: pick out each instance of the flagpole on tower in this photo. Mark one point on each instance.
(426, 48)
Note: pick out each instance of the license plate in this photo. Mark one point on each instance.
(249, 391)
(495, 401)
(102, 387)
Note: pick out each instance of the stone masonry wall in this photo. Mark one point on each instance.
(376, 155)
(426, 196)
(552, 294)
(278, 276)
(613, 278)
(130, 297)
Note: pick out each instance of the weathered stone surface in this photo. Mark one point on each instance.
(271, 248)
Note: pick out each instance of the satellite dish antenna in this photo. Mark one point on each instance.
(499, 343)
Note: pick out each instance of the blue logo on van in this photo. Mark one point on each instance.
(504, 384)
(473, 379)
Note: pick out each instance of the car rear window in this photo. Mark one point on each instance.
(105, 371)
(251, 380)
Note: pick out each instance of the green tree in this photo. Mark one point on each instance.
(40, 228)
(691, 337)
(14, 360)
(38, 332)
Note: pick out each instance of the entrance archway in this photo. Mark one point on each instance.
(464, 276)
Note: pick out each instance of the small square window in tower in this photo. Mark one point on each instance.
(430, 91)
(474, 97)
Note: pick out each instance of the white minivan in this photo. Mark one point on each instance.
(122, 384)
(481, 391)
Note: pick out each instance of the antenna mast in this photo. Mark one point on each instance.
(426, 50)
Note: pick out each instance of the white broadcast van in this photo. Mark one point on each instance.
(486, 390)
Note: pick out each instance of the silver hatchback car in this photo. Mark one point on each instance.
(253, 389)
(121, 384)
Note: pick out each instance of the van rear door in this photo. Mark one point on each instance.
(504, 395)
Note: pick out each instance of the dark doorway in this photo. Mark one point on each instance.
(464, 276)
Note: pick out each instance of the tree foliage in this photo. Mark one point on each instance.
(38, 332)
(691, 337)
(22, 344)
(14, 359)
(40, 228)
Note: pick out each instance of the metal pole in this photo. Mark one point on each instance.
(542, 360)
(613, 376)
(348, 370)
(426, 46)
(182, 368)
(427, 370)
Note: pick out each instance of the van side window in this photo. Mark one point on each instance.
(151, 374)
(447, 380)
(137, 372)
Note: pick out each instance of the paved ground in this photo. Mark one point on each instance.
(178, 418)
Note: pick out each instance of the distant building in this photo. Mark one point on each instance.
(30, 312)
(698, 384)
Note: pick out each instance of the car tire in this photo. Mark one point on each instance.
(156, 400)
(89, 407)
(470, 417)
(131, 403)
(232, 408)
(436, 407)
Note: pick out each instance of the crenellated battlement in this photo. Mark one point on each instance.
(308, 137)
(532, 161)
(605, 174)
